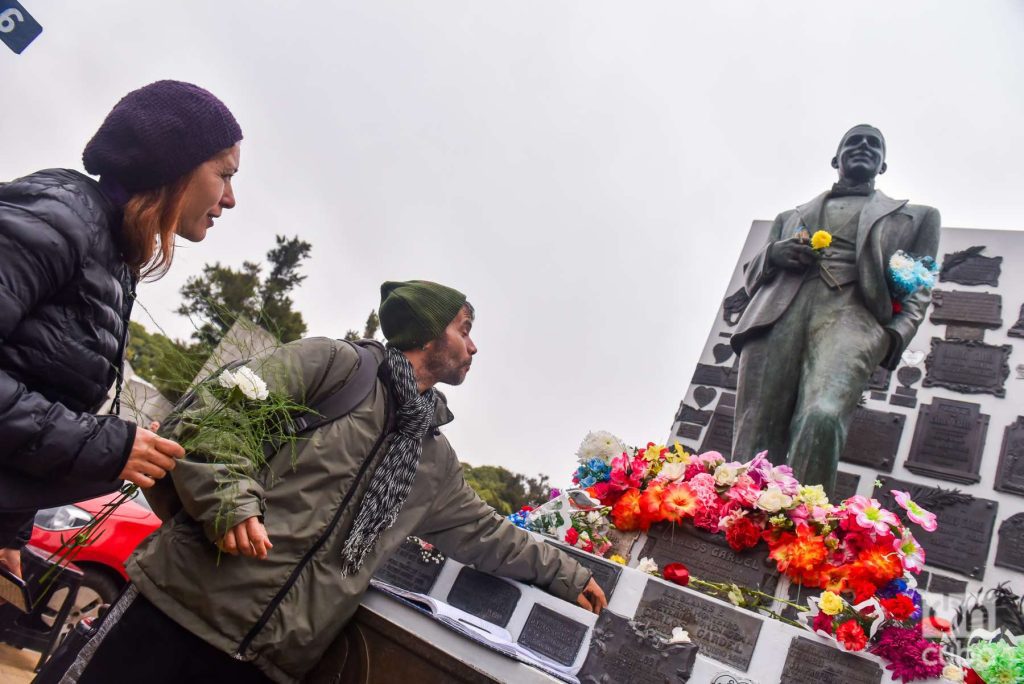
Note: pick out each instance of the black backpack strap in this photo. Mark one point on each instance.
(343, 401)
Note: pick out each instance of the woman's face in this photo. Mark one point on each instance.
(208, 194)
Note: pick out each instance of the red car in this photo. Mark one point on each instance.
(102, 562)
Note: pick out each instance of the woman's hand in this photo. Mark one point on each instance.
(152, 457)
(247, 538)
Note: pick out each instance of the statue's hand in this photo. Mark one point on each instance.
(795, 254)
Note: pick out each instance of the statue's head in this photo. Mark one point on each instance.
(860, 155)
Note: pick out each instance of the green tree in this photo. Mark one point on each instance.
(169, 365)
(369, 329)
(215, 299)
(506, 491)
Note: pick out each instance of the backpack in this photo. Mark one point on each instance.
(163, 497)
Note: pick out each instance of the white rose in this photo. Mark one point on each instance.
(251, 385)
(772, 500)
(672, 472)
(679, 636)
(647, 565)
(726, 476)
(602, 445)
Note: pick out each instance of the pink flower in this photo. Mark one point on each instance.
(870, 515)
(799, 515)
(745, 491)
(711, 458)
(760, 468)
(910, 551)
(782, 477)
(622, 475)
(703, 485)
(925, 519)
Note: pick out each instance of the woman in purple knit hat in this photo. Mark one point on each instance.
(71, 252)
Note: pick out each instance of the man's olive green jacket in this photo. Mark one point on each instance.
(284, 611)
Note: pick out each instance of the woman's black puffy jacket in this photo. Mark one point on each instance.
(65, 299)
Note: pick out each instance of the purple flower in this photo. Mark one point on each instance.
(910, 656)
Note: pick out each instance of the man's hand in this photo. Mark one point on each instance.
(592, 598)
(11, 559)
(247, 538)
(152, 457)
(794, 254)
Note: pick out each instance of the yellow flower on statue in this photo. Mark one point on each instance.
(821, 239)
(830, 603)
(616, 558)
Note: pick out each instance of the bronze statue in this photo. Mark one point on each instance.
(821, 320)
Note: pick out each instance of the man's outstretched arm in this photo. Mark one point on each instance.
(464, 527)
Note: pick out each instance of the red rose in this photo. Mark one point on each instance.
(572, 536)
(897, 306)
(743, 534)
(899, 607)
(526, 509)
(851, 635)
(676, 573)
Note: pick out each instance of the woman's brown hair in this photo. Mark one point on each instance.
(149, 226)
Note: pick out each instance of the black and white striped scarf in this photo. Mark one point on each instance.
(393, 479)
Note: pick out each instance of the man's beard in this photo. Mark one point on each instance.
(439, 366)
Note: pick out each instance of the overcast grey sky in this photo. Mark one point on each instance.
(585, 171)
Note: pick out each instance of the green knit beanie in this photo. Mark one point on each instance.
(415, 312)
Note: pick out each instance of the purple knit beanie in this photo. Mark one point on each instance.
(157, 134)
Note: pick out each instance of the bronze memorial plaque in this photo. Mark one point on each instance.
(873, 438)
(810, 662)
(719, 433)
(553, 635)
(407, 569)
(974, 309)
(719, 376)
(720, 631)
(483, 595)
(709, 556)
(1010, 550)
(968, 366)
(1010, 473)
(961, 543)
(626, 652)
(969, 267)
(949, 441)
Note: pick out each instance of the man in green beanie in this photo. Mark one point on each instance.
(267, 592)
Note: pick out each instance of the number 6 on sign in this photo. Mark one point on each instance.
(7, 19)
(17, 27)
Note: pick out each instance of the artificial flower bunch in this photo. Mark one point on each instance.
(997, 662)
(572, 517)
(908, 274)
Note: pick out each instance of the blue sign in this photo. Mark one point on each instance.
(17, 27)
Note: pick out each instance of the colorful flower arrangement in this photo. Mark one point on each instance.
(861, 554)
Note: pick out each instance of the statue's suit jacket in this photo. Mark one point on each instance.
(886, 225)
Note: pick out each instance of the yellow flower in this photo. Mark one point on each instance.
(616, 558)
(652, 454)
(813, 495)
(830, 603)
(821, 239)
(678, 455)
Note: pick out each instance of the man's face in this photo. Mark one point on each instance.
(449, 356)
(861, 155)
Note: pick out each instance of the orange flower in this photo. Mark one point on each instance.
(801, 556)
(880, 564)
(650, 505)
(679, 501)
(626, 511)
